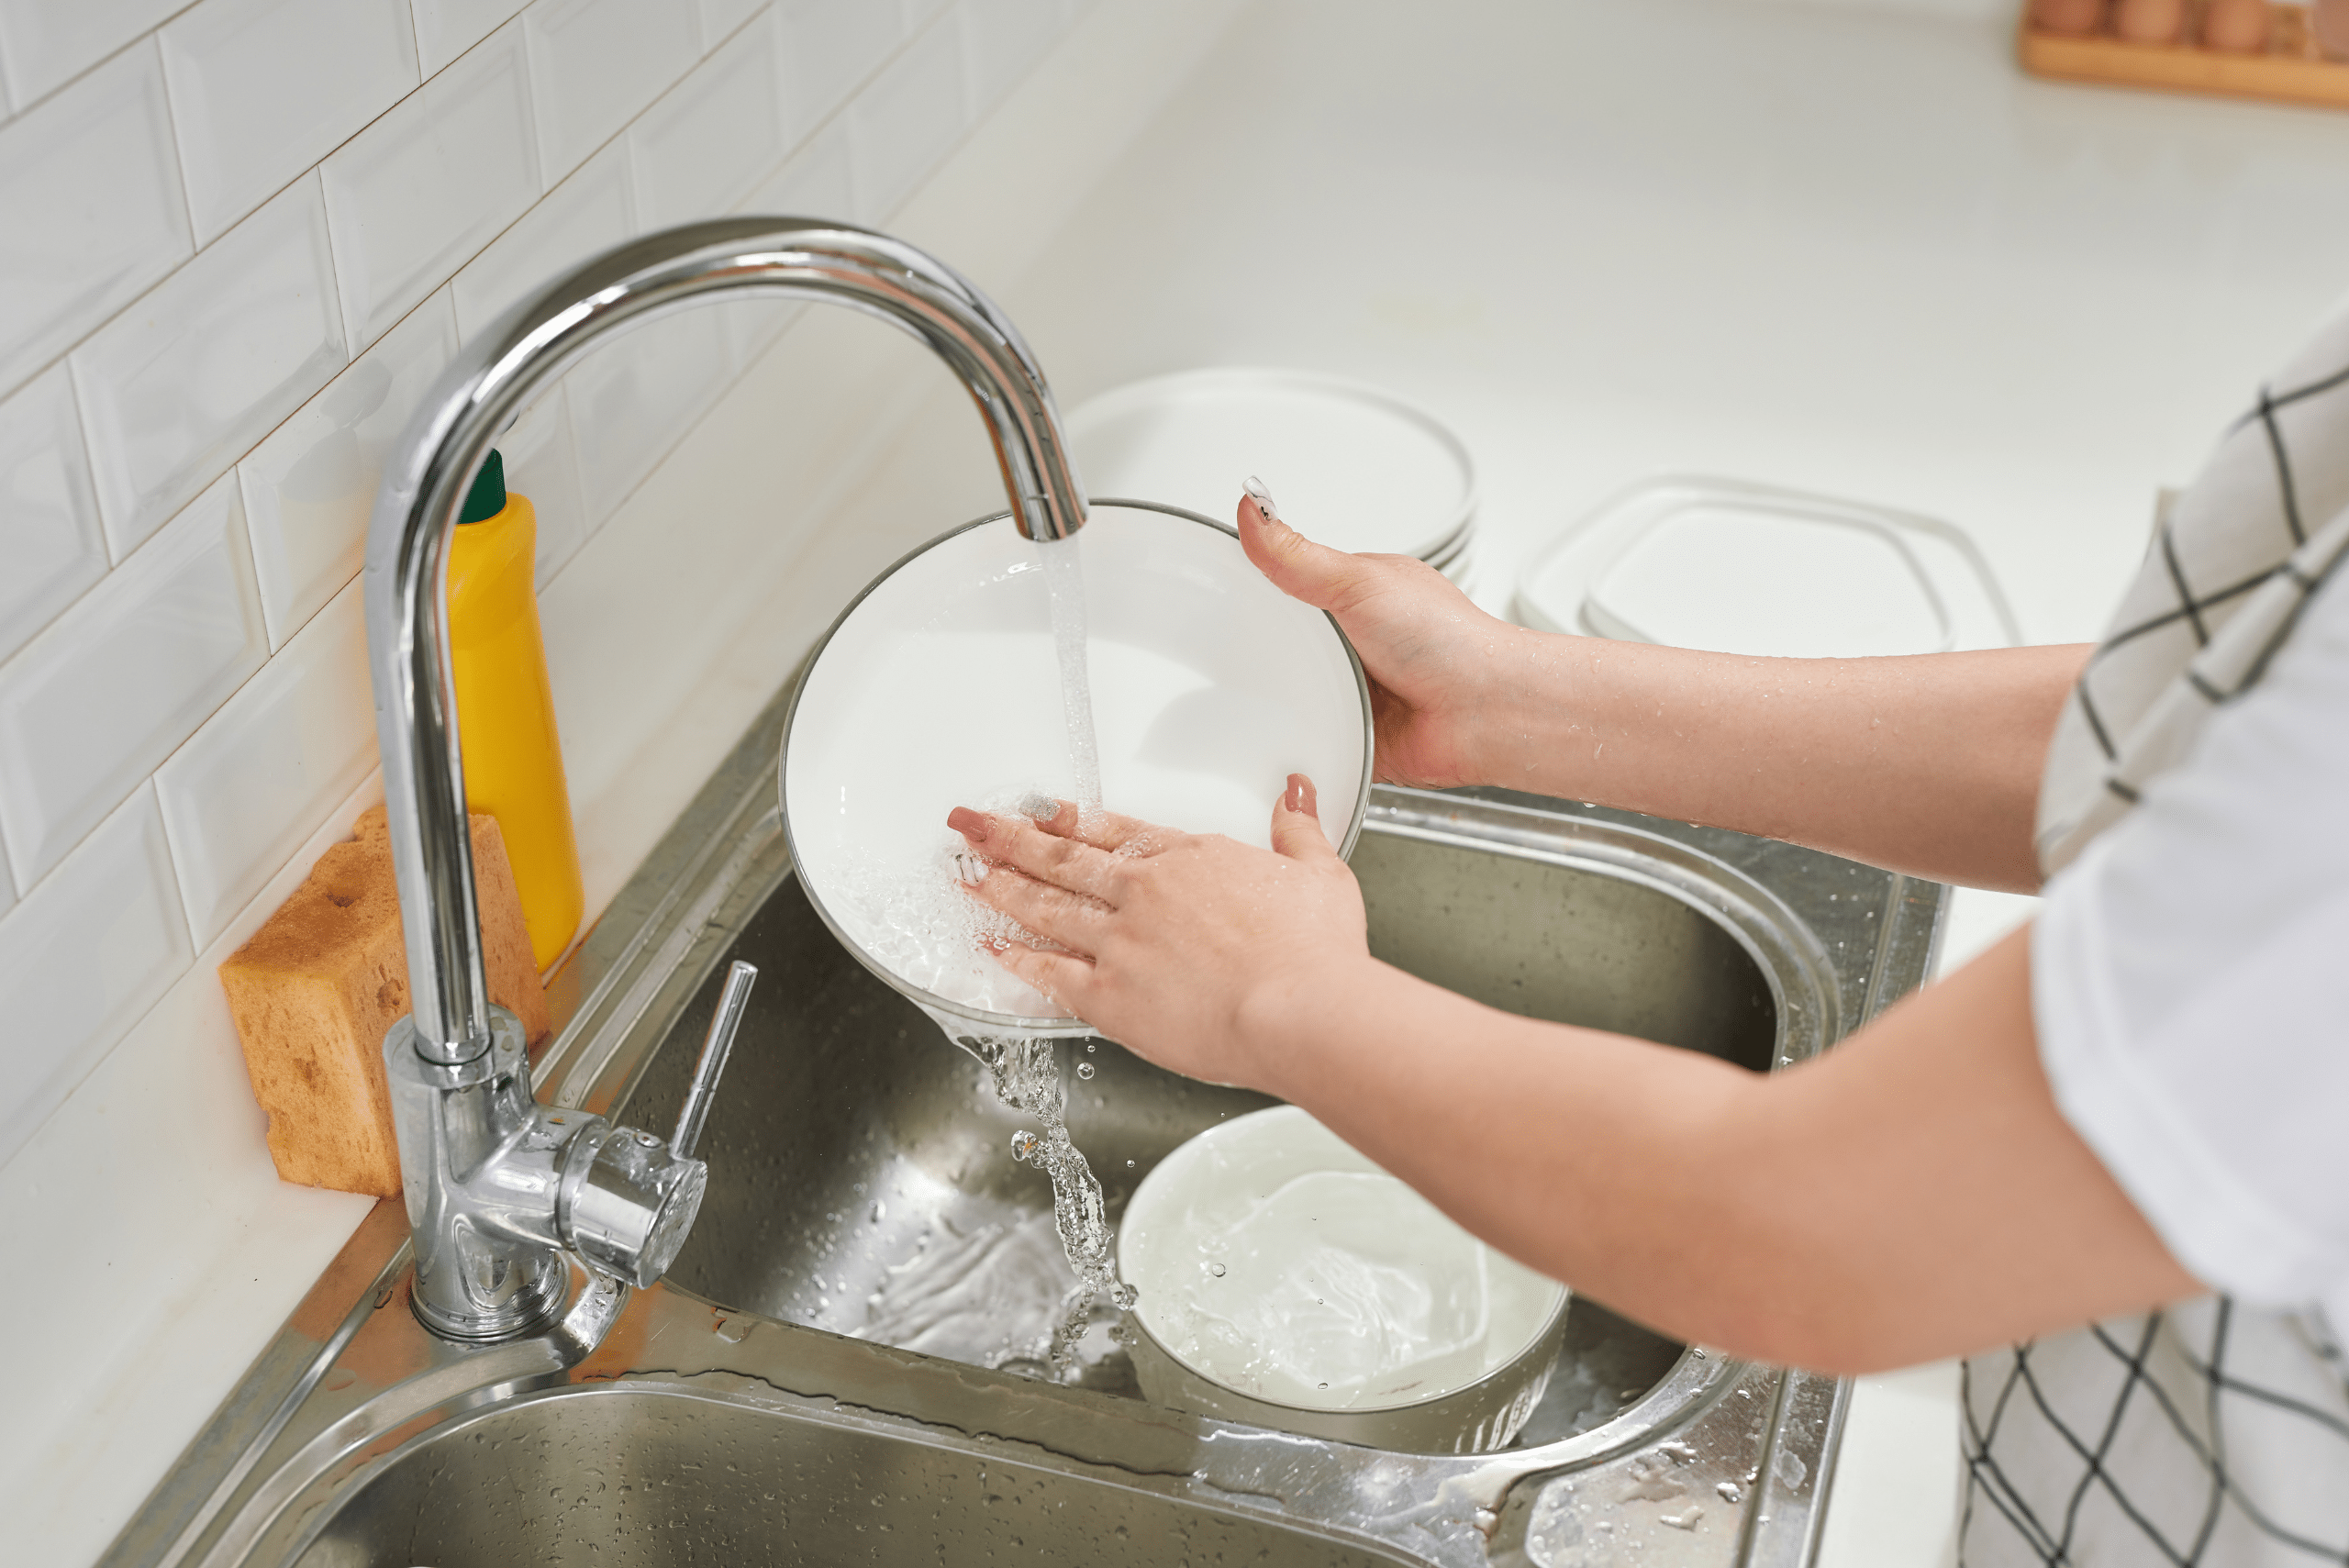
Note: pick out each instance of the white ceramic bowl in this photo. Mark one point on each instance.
(1288, 1281)
(938, 688)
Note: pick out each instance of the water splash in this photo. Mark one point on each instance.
(1027, 1078)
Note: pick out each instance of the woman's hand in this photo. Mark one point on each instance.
(1435, 661)
(1189, 949)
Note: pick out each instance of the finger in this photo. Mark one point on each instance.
(1069, 918)
(1102, 829)
(1327, 579)
(1065, 977)
(1297, 823)
(1016, 841)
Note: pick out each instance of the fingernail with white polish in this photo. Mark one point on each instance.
(1262, 497)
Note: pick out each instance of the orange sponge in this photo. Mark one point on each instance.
(323, 981)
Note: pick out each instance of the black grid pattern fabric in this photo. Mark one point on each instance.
(2230, 566)
(2206, 1435)
(2211, 1434)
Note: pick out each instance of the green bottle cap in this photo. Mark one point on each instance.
(487, 497)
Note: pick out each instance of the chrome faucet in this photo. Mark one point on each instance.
(499, 1188)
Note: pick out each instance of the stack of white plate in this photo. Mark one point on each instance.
(1351, 465)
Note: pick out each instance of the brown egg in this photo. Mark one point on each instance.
(2149, 21)
(2238, 26)
(2077, 17)
(2329, 21)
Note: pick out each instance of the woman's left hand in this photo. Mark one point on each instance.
(1189, 949)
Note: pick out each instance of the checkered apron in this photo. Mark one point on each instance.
(2210, 1433)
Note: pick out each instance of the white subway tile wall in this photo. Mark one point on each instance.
(176, 388)
(46, 43)
(595, 63)
(713, 135)
(918, 98)
(243, 237)
(446, 29)
(48, 534)
(263, 89)
(590, 211)
(831, 49)
(85, 953)
(253, 783)
(418, 192)
(311, 482)
(91, 182)
(92, 706)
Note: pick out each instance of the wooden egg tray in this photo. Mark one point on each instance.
(2291, 68)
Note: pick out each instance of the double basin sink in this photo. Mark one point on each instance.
(840, 1368)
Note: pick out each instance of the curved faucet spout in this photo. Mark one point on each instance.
(425, 483)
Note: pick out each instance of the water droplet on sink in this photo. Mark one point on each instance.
(1023, 1144)
(1730, 1493)
(1216, 1269)
(1085, 1070)
(880, 1211)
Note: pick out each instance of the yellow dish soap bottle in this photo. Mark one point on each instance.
(506, 709)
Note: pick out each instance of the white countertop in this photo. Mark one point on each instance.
(1846, 249)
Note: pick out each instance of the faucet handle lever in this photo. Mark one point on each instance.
(732, 1003)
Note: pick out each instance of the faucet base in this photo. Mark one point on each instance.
(532, 1303)
(482, 1164)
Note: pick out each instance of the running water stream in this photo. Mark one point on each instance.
(1064, 582)
(1026, 1072)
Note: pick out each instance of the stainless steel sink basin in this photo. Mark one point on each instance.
(840, 1367)
(646, 1477)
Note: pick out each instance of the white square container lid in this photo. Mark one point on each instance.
(1736, 568)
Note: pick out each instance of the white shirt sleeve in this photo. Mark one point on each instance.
(2190, 984)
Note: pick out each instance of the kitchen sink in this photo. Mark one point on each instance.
(844, 1364)
(859, 1175)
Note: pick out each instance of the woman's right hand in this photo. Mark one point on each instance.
(1433, 657)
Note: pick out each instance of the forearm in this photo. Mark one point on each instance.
(1929, 764)
(1914, 1194)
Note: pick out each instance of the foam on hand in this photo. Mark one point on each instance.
(909, 913)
